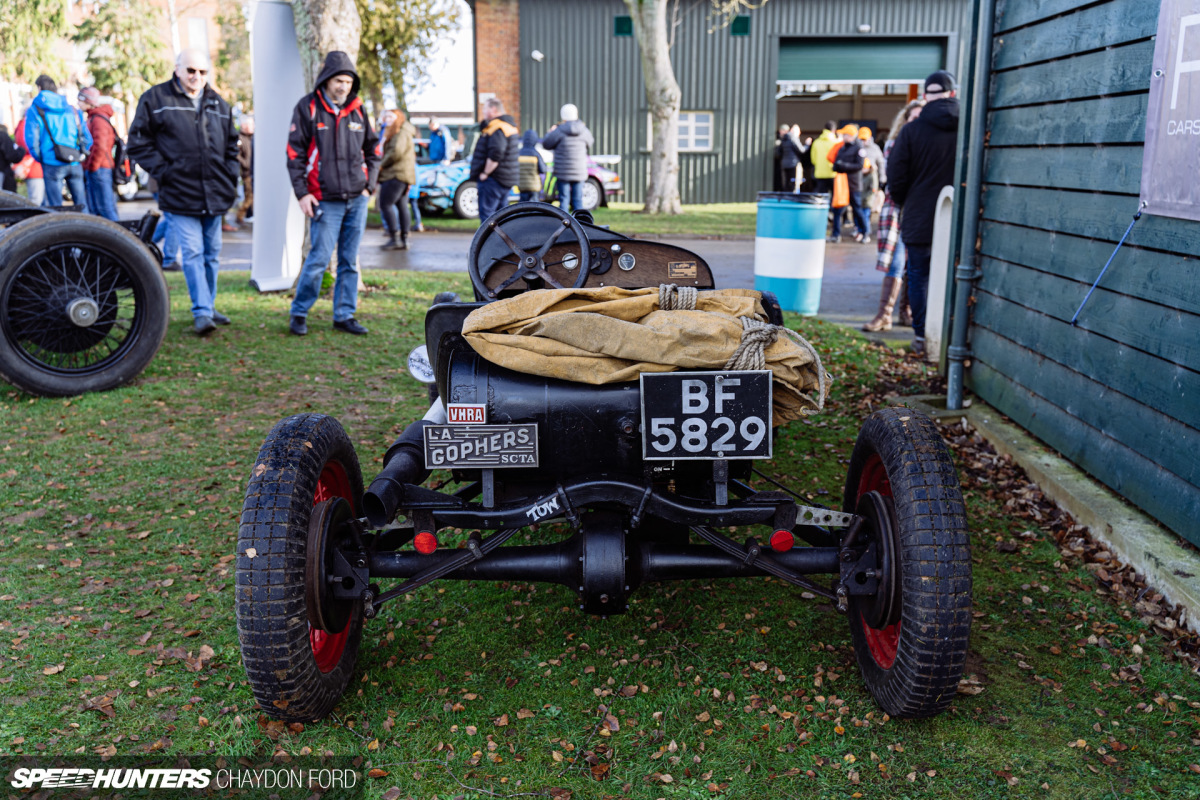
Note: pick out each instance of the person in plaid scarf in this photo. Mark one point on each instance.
(890, 249)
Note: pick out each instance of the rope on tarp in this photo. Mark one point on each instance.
(1128, 230)
(757, 336)
(676, 298)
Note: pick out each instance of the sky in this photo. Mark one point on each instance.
(452, 72)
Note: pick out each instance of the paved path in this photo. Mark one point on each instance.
(849, 290)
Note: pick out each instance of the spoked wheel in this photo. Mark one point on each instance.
(299, 643)
(83, 305)
(518, 243)
(911, 638)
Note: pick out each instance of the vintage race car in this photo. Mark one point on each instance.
(648, 471)
(83, 303)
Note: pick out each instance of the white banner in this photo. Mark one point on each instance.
(278, 86)
(1170, 178)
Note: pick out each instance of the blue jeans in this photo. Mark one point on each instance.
(415, 206)
(862, 222)
(342, 224)
(572, 190)
(896, 270)
(35, 190)
(166, 237)
(54, 175)
(200, 240)
(101, 199)
(918, 284)
(491, 197)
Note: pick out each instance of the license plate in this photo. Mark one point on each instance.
(706, 415)
(481, 446)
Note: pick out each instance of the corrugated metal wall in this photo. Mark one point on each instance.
(733, 76)
(1116, 394)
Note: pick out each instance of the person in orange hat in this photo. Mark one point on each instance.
(848, 159)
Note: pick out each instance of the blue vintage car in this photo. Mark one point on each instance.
(447, 187)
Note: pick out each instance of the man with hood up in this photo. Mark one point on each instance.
(58, 139)
(183, 135)
(98, 165)
(920, 165)
(494, 164)
(570, 141)
(334, 164)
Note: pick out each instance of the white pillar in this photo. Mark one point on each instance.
(939, 275)
(278, 86)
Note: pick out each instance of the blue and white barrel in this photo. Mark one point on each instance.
(789, 248)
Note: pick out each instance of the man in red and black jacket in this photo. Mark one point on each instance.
(333, 163)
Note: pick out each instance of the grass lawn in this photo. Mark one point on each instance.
(118, 514)
(717, 219)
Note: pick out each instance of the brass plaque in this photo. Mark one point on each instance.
(681, 269)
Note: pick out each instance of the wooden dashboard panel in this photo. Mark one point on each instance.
(630, 264)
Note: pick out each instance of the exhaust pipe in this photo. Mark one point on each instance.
(403, 464)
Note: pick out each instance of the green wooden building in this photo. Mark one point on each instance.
(1065, 122)
(790, 61)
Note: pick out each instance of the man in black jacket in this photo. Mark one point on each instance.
(921, 164)
(183, 135)
(849, 160)
(495, 164)
(334, 164)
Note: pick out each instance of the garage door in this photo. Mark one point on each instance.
(899, 60)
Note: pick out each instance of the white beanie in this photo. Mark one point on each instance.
(569, 113)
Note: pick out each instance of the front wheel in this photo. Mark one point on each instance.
(592, 195)
(297, 671)
(466, 200)
(910, 639)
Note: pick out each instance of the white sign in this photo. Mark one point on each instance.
(1169, 186)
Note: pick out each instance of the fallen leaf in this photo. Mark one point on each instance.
(251, 552)
(376, 773)
(524, 713)
(500, 721)
(391, 794)
(54, 670)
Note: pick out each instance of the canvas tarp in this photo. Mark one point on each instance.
(610, 335)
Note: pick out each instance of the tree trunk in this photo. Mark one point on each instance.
(324, 25)
(663, 98)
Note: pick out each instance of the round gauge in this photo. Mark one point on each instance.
(570, 261)
(419, 366)
(627, 261)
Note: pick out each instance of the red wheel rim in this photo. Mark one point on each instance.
(327, 648)
(881, 642)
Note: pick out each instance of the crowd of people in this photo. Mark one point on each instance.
(184, 136)
(906, 175)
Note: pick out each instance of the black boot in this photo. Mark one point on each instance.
(390, 244)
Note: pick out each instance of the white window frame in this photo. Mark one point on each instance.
(687, 136)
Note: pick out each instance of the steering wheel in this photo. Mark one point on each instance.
(511, 236)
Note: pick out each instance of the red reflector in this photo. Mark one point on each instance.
(425, 542)
(782, 540)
